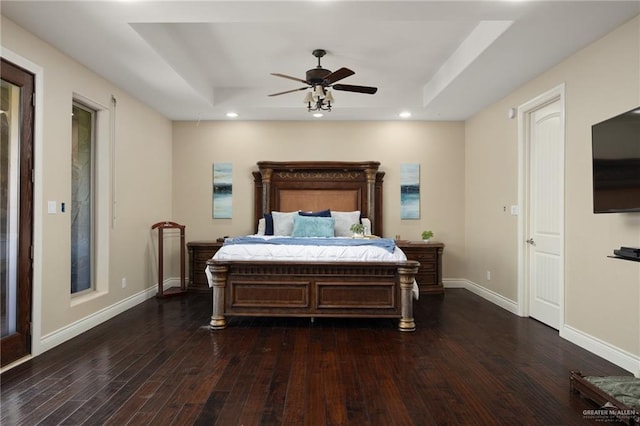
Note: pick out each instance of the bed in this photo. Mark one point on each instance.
(315, 288)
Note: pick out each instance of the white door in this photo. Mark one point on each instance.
(545, 208)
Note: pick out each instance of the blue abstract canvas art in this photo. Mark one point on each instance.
(410, 191)
(222, 190)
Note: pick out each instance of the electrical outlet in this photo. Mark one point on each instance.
(124, 283)
(488, 275)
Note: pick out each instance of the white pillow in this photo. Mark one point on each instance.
(283, 223)
(344, 220)
(262, 226)
(367, 225)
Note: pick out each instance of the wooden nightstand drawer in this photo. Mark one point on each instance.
(429, 276)
(423, 253)
(202, 256)
(426, 257)
(199, 253)
(428, 265)
(426, 279)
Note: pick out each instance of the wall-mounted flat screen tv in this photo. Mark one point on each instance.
(616, 163)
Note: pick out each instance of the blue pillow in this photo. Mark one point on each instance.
(268, 224)
(313, 226)
(321, 213)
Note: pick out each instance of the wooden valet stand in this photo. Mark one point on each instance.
(172, 291)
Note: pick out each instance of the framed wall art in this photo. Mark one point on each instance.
(222, 190)
(409, 191)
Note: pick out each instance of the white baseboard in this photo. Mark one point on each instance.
(613, 354)
(171, 282)
(78, 327)
(483, 292)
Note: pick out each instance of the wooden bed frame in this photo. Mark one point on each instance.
(315, 289)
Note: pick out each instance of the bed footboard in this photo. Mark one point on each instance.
(301, 289)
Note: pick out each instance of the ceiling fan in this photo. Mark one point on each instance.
(319, 80)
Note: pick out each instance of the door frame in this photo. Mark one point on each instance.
(525, 112)
(38, 203)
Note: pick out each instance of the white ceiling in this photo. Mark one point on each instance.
(440, 60)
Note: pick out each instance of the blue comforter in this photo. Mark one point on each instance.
(385, 243)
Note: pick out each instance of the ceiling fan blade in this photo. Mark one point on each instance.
(360, 89)
(339, 75)
(288, 91)
(291, 78)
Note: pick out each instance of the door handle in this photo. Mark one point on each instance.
(530, 241)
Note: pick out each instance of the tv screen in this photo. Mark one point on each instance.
(616, 163)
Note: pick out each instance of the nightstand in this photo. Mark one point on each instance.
(429, 276)
(199, 253)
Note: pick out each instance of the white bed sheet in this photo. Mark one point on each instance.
(307, 252)
(304, 253)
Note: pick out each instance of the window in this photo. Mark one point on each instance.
(82, 198)
(9, 204)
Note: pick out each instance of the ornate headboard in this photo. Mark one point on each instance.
(317, 185)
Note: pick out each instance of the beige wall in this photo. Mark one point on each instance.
(142, 170)
(602, 295)
(438, 147)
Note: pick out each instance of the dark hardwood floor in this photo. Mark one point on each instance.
(469, 362)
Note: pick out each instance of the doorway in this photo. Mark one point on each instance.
(16, 210)
(541, 226)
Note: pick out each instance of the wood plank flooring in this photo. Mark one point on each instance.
(469, 362)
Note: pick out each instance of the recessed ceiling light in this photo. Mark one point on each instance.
(232, 114)
(317, 115)
(405, 114)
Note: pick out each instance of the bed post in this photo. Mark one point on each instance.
(219, 275)
(407, 274)
(371, 197)
(266, 189)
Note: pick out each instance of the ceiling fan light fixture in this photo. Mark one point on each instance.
(308, 98)
(318, 92)
(318, 99)
(328, 96)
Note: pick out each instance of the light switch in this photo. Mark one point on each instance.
(515, 210)
(51, 207)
